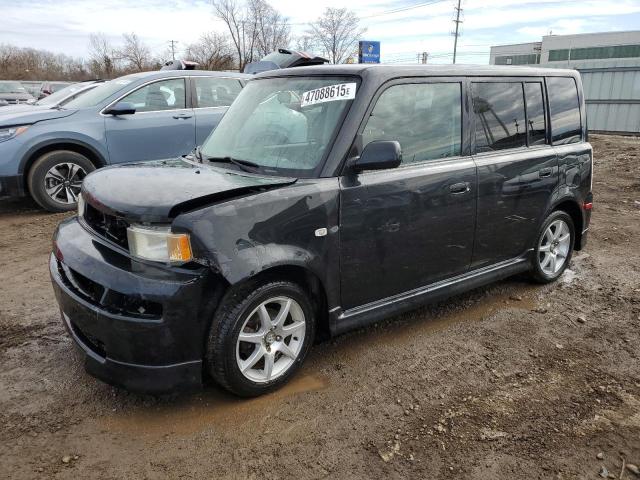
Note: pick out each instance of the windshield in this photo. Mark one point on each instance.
(99, 94)
(12, 87)
(283, 125)
(61, 94)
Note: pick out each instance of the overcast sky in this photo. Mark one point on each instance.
(64, 25)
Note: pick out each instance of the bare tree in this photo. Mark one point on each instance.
(336, 32)
(306, 43)
(212, 51)
(273, 30)
(102, 55)
(256, 28)
(31, 64)
(241, 28)
(135, 53)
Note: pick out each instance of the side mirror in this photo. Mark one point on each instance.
(379, 155)
(121, 108)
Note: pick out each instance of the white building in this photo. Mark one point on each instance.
(610, 66)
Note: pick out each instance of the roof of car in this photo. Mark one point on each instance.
(385, 72)
(191, 73)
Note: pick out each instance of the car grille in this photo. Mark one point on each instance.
(108, 226)
(108, 299)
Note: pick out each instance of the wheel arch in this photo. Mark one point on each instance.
(571, 207)
(310, 282)
(72, 145)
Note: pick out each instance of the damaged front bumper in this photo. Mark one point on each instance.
(140, 326)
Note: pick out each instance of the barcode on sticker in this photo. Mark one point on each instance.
(330, 93)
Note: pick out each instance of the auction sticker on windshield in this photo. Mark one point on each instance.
(330, 93)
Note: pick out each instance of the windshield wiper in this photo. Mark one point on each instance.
(242, 164)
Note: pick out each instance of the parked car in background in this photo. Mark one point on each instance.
(48, 88)
(14, 93)
(144, 116)
(57, 99)
(32, 86)
(283, 58)
(327, 198)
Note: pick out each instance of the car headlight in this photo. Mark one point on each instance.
(159, 244)
(9, 133)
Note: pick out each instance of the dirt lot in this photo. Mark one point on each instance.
(510, 381)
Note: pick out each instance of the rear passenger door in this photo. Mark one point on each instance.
(517, 167)
(407, 227)
(211, 98)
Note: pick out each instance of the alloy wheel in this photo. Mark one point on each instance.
(63, 182)
(554, 247)
(271, 339)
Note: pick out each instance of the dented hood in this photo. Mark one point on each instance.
(158, 191)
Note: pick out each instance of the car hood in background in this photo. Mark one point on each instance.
(23, 107)
(159, 191)
(23, 97)
(31, 114)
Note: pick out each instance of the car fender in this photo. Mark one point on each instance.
(94, 145)
(293, 226)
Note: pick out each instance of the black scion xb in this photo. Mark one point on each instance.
(327, 198)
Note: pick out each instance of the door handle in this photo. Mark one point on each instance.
(545, 172)
(459, 188)
(182, 116)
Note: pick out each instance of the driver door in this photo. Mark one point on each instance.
(407, 227)
(162, 127)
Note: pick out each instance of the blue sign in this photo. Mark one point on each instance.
(368, 52)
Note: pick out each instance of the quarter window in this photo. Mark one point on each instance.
(499, 116)
(564, 108)
(425, 118)
(535, 113)
(157, 96)
(216, 92)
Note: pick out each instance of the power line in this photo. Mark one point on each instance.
(380, 14)
(403, 9)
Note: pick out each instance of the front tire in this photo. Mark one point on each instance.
(56, 177)
(260, 335)
(554, 247)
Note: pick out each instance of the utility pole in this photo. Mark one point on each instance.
(457, 21)
(173, 44)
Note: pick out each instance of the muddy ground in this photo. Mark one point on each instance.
(513, 381)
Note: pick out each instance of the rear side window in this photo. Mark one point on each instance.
(499, 116)
(535, 113)
(564, 108)
(425, 118)
(216, 92)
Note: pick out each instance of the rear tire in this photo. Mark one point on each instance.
(260, 335)
(55, 179)
(554, 248)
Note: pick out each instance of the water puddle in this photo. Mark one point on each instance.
(210, 408)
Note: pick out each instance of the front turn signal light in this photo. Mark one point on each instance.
(179, 247)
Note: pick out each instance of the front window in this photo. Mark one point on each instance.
(425, 118)
(158, 96)
(283, 125)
